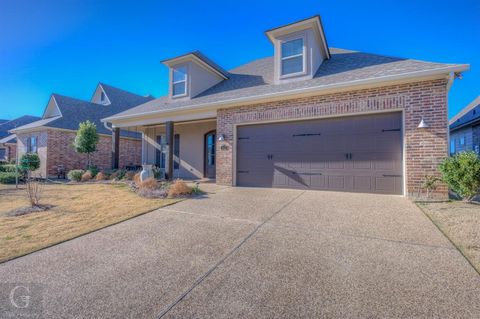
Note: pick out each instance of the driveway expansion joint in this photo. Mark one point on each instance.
(222, 260)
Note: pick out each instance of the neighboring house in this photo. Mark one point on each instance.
(465, 129)
(8, 141)
(52, 136)
(309, 117)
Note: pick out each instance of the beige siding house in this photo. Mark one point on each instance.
(308, 117)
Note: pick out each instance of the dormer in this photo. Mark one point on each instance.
(191, 74)
(99, 96)
(300, 48)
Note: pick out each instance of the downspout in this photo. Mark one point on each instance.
(106, 126)
(451, 78)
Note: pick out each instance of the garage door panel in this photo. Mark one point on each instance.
(360, 154)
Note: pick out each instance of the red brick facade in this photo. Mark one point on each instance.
(56, 148)
(424, 149)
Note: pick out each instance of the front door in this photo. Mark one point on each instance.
(210, 154)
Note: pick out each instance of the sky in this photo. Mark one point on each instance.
(68, 46)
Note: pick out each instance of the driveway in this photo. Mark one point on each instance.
(255, 253)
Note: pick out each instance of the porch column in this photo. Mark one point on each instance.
(169, 134)
(115, 147)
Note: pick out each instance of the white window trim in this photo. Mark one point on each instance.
(186, 81)
(304, 54)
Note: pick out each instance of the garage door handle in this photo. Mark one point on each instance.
(242, 172)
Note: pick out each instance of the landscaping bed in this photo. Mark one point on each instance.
(460, 222)
(74, 209)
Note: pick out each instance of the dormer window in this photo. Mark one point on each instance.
(179, 81)
(102, 97)
(293, 57)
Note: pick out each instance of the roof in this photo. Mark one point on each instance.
(203, 58)
(75, 111)
(6, 126)
(3, 121)
(9, 139)
(469, 115)
(255, 80)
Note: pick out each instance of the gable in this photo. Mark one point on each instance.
(100, 96)
(52, 109)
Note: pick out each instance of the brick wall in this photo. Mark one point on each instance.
(61, 152)
(424, 148)
(12, 151)
(56, 148)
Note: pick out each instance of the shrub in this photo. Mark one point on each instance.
(75, 175)
(149, 183)
(87, 176)
(8, 168)
(179, 188)
(118, 174)
(136, 179)
(30, 161)
(462, 174)
(129, 175)
(93, 169)
(101, 176)
(7, 177)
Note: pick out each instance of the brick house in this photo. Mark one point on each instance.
(52, 136)
(8, 141)
(308, 117)
(465, 129)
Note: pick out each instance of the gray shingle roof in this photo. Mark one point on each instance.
(256, 78)
(469, 118)
(12, 124)
(75, 111)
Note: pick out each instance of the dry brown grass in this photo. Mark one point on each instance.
(179, 188)
(460, 222)
(78, 209)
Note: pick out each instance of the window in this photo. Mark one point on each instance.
(3, 154)
(452, 146)
(32, 144)
(179, 86)
(462, 140)
(102, 97)
(292, 57)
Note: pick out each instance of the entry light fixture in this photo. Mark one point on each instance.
(221, 137)
(422, 124)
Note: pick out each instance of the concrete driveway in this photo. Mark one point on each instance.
(255, 253)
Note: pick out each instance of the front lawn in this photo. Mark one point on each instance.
(77, 209)
(460, 222)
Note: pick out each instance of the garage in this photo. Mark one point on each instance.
(353, 154)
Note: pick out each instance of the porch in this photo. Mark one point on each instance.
(183, 150)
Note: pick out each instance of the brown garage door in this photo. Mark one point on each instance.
(357, 154)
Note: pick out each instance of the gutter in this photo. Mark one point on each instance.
(293, 93)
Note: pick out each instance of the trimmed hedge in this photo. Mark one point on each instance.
(9, 168)
(7, 177)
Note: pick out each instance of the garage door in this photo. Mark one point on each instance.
(356, 154)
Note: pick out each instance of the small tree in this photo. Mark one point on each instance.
(28, 163)
(86, 140)
(462, 174)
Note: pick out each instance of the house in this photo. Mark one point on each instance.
(308, 117)
(465, 129)
(8, 141)
(52, 136)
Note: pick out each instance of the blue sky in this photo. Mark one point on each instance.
(68, 46)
